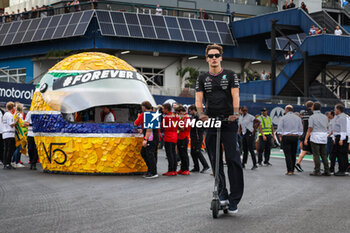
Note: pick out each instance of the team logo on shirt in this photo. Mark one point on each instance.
(151, 120)
(224, 77)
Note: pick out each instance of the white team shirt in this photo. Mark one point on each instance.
(159, 11)
(338, 32)
(1, 122)
(29, 120)
(109, 118)
(8, 131)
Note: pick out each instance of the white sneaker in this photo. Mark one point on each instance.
(14, 165)
(224, 202)
(18, 165)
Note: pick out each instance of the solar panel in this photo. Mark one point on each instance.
(45, 28)
(210, 26)
(197, 24)
(121, 30)
(162, 33)
(175, 34)
(21, 31)
(171, 22)
(145, 20)
(135, 30)
(76, 18)
(81, 29)
(283, 43)
(87, 15)
(31, 30)
(148, 32)
(131, 18)
(117, 17)
(158, 21)
(214, 37)
(65, 20)
(124, 24)
(103, 16)
(201, 36)
(188, 35)
(107, 28)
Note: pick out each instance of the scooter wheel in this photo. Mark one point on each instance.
(215, 205)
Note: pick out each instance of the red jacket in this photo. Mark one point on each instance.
(139, 121)
(170, 125)
(185, 133)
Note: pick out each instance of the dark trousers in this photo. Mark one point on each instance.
(182, 147)
(171, 155)
(290, 145)
(341, 153)
(196, 153)
(264, 147)
(1, 148)
(329, 146)
(148, 154)
(319, 151)
(248, 142)
(9, 149)
(233, 161)
(32, 150)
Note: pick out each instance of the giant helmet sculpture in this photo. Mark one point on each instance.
(79, 82)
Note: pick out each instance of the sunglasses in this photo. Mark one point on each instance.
(217, 55)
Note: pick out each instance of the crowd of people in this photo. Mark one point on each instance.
(43, 11)
(17, 137)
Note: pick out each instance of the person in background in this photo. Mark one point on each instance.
(247, 131)
(150, 143)
(109, 117)
(196, 143)
(285, 6)
(317, 132)
(318, 31)
(305, 148)
(94, 4)
(312, 30)
(8, 135)
(1, 140)
(338, 32)
(20, 137)
(303, 6)
(256, 76)
(105, 112)
(289, 55)
(291, 4)
(159, 10)
(182, 140)
(264, 75)
(32, 149)
(266, 134)
(25, 14)
(340, 146)
(289, 129)
(324, 31)
(67, 7)
(329, 147)
(170, 138)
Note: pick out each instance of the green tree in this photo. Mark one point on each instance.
(190, 80)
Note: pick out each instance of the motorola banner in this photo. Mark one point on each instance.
(16, 92)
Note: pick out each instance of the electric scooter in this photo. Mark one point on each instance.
(215, 203)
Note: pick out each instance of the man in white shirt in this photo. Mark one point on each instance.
(8, 135)
(317, 131)
(159, 11)
(264, 75)
(338, 32)
(246, 128)
(109, 117)
(32, 150)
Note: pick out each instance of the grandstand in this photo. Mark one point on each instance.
(161, 46)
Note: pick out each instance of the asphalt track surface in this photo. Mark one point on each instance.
(33, 201)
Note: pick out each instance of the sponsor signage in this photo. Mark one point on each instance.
(16, 92)
(91, 76)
